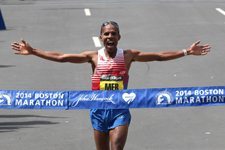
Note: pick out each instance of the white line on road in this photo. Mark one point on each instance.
(87, 12)
(221, 11)
(96, 41)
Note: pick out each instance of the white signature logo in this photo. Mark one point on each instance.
(129, 97)
(93, 97)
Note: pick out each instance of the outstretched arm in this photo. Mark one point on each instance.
(194, 49)
(24, 48)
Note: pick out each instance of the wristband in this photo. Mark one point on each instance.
(185, 52)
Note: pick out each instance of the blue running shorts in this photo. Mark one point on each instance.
(107, 119)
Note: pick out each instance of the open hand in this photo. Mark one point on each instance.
(22, 48)
(196, 49)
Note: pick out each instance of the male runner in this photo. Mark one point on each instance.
(110, 72)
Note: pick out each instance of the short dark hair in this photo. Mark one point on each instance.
(112, 23)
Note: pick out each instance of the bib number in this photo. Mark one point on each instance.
(111, 83)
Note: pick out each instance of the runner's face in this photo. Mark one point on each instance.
(110, 37)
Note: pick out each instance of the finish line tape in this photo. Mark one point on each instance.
(120, 99)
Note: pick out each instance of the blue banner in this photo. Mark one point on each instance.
(119, 99)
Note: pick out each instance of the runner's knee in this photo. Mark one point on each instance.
(118, 144)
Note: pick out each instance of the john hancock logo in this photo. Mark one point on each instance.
(164, 98)
(5, 99)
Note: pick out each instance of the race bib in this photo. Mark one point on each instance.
(109, 82)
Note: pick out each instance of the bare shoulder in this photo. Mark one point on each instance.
(131, 53)
(90, 53)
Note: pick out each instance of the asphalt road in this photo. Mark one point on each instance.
(148, 25)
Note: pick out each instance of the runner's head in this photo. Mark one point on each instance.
(110, 35)
(113, 23)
